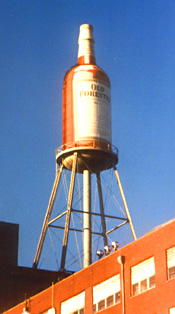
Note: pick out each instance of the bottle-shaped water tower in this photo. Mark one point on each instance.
(86, 143)
(87, 111)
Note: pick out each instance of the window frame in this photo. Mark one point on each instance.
(172, 308)
(148, 282)
(170, 261)
(67, 306)
(114, 294)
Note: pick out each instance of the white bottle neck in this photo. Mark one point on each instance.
(86, 53)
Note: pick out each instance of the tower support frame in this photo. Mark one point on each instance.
(86, 213)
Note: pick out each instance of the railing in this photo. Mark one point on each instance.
(89, 144)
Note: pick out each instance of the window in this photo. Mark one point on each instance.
(142, 276)
(117, 297)
(135, 289)
(172, 310)
(101, 305)
(171, 263)
(49, 311)
(74, 305)
(106, 294)
(143, 285)
(152, 282)
(94, 308)
(110, 301)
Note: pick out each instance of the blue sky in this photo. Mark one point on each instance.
(135, 45)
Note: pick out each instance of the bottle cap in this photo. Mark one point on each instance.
(86, 32)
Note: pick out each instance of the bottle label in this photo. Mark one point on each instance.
(92, 110)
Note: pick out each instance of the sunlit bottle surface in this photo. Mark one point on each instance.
(86, 101)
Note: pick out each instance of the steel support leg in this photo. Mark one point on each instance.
(47, 217)
(125, 204)
(102, 210)
(69, 207)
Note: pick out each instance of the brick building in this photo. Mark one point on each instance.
(138, 278)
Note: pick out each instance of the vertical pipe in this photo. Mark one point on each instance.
(52, 293)
(87, 217)
(121, 260)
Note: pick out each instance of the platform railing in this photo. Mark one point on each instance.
(89, 144)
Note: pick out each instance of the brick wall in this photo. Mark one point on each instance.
(156, 300)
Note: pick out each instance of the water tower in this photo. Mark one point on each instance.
(86, 144)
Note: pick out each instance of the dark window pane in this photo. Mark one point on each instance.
(171, 272)
(135, 289)
(81, 311)
(110, 300)
(152, 282)
(117, 297)
(101, 305)
(94, 308)
(143, 285)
